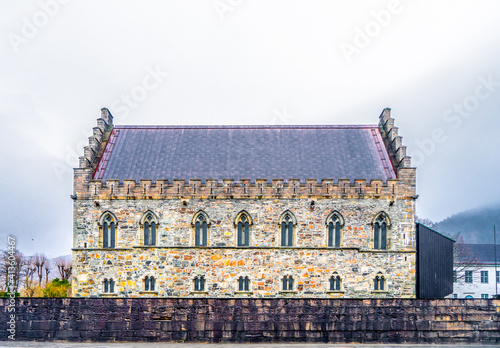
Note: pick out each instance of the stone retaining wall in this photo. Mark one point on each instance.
(255, 320)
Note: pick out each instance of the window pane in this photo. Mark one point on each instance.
(204, 233)
(146, 284)
(247, 234)
(337, 284)
(105, 232)
(146, 233)
(106, 286)
(376, 238)
(330, 234)
(337, 234)
(240, 233)
(202, 283)
(152, 284)
(111, 285)
(285, 284)
(197, 233)
(383, 236)
(112, 236)
(153, 234)
(283, 234)
(290, 233)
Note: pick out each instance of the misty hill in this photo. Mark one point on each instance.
(476, 225)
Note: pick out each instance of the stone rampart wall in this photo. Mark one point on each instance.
(255, 320)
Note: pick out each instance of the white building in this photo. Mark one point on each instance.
(474, 275)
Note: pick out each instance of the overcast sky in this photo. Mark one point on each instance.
(435, 63)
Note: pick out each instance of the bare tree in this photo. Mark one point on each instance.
(39, 261)
(47, 269)
(29, 272)
(427, 222)
(64, 267)
(11, 265)
(463, 257)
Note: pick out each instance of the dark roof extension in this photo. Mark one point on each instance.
(245, 152)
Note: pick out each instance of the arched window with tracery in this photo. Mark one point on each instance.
(380, 232)
(108, 226)
(150, 226)
(201, 229)
(243, 226)
(334, 224)
(287, 224)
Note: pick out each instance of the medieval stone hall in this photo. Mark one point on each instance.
(257, 211)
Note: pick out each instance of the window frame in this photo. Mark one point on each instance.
(381, 231)
(108, 239)
(484, 277)
(243, 233)
(334, 242)
(201, 233)
(469, 277)
(287, 239)
(199, 283)
(379, 282)
(143, 223)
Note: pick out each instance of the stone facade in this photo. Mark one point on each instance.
(174, 261)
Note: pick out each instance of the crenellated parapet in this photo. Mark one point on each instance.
(401, 162)
(244, 188)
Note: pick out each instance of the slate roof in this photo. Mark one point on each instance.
(483, 253)
(245, 152)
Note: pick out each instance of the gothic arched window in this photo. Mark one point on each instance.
(108, 225)
(201, 229)
(380, 232)
(243, 232)
(150, 225)
(334, 224)
(287, 224)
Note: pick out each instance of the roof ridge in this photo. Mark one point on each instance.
(245, 126)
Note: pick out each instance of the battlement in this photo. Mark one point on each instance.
(244, 189)
(393, 141)
(104, 123)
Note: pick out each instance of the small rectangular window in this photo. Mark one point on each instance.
(484, 277)
(454, 276)
(455, 296)
(485, 295)
(468, 277)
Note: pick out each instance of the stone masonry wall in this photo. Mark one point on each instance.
(174, 262)
(254, 320)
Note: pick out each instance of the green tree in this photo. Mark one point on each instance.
(57, 288)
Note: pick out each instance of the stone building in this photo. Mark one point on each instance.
(260, 211)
